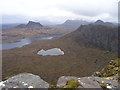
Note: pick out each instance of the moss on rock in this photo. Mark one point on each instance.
(110, 70)
(52, 86)
(71, 84)
(103, 85)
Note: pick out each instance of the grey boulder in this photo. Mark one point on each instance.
(84, 82)
(24, 80)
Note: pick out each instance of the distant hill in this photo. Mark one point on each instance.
(30, 24)
(72, 24)
(6, 26)
(100, 36)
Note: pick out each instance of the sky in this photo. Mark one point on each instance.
(57, 11)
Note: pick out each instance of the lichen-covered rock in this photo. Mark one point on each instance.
(84, 82)
(24, 80)
(110, 83)
(110, 72)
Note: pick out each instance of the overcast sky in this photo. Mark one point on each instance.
(57, 11)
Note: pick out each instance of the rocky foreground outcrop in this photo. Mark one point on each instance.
(108, 78)
(28, 80)
(85, 82)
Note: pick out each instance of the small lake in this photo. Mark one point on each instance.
(24, 42)
(51, 52)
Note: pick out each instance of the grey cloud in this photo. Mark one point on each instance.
(78, 8)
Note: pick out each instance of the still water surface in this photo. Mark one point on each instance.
(24, 42)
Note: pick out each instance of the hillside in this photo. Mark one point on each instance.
(100, 36)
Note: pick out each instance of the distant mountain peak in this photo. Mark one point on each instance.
(73, 24)
(74, 21)
(99, 22)
(31, 23)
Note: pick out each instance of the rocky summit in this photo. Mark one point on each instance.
(30, 24)
(100, 22)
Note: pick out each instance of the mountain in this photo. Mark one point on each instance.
(100, 36)
(30, 24)
(72, 24)
(100, 22)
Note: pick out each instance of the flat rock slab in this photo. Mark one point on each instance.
(106, 81)
(25, 80)
(87, 82)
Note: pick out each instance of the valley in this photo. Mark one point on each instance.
(80, 57)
